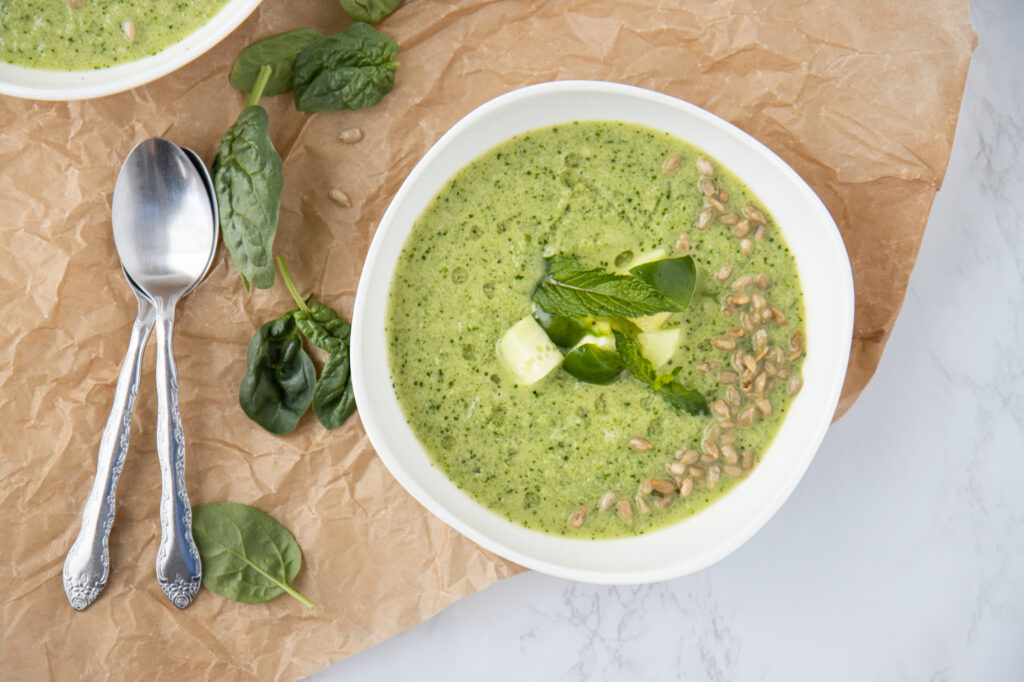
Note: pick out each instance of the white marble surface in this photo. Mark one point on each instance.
(901, 554)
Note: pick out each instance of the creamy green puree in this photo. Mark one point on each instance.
(600, 192)
(51, 34)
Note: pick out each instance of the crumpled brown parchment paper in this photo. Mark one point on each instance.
(861, 98)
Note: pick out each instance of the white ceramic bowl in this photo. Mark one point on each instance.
(69, 85)
(828, 296)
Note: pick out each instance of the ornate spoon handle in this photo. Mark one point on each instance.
(87, 565)
(178, 568)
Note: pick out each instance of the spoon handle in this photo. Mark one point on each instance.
(87, 565)
(178, 568)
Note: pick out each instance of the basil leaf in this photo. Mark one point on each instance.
(673, 277)
(247, 177)
(279, 51)
(278, 386)
(593, 364)
(674, 393)
(349, 70)
(370, 11)
(569, 290)
(333, 398)
(247, 555)
(637, 364)
(686, 399)
(324, 328)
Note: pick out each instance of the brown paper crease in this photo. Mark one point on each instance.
(861, 98)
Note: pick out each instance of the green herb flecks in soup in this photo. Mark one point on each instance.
(594, 330)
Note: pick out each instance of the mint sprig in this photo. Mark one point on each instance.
(674, 393)
(572, 291)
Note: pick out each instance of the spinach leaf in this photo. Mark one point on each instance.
(278, 386)
(279, 52)
(247, 177)
(247, 555)
(333, 398)
(349, 70)
(675, 394)
(673, 277)
(370, 11)
(323, 327)
(569, 290)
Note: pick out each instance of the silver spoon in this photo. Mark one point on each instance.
(87, 565)
(165, 230)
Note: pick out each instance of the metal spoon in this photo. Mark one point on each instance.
(87, 565)
(162, 230)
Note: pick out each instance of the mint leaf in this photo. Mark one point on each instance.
(675, 278)
(675, 394)
(571, 291)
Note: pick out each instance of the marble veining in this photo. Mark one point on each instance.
(901, 554)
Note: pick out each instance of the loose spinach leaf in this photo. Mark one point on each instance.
(247, 555)
(571, 291)
(674, 393)
(279, 384)
(370, 11)
(323, 327)
(333, 398)
(349, 70)
(673, 277)
(279, 52)
(247, 177)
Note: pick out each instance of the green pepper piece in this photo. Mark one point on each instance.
(673, 277)
(593, 364)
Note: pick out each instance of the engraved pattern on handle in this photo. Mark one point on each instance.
(178, 568)
(87, 565)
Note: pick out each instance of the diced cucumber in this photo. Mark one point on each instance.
(645, 257)
(604, 341)
(658, 347)
(651, 323)
(527, 352)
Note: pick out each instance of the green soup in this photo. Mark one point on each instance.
(51, 34)
(602, 192)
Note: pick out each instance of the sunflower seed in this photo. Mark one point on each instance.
(625, 511)
(794, 355)
(704, 219)
(749, 362)
(723, 196)
(714, 473)
(686, 487)
(705, 167)
(758, 301)
(742, 229)
(738, 299)
(754, 213)
(665, 502)
(723, 272)
(696, 472)
(710, 449)
(726, 424)
(640, 443)
(350, 135)
(793, 385)
(709, 366)
(747, 459)
(728, 219)
(795, 341)
(340, 198)
(720, 408)
(762, 281)
(641, 504)
(74, 4)
(747, 247)
(782, 373)
(676, 468)
(760, 383)
(736, 361)
(707, 187)
(683, 243)
(761, 339)
(747, 416)
(671, 163)
(761, 232)
(607, 500)
(690, 457)
(736, 332)
(646, 488)
(732, 471)
(734, 397)
(728, 377)
(663, 485)
(729, 454)
(716, 203)
(742, 283)
(726, 439)
(129, 29)
(778, 317)
(578, 517)
(764, 406)
(724, 343)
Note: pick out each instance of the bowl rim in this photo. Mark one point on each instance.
(376, 426)
(53, 85)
